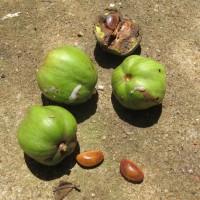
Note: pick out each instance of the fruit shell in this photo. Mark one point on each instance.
(47, 134)
(67, 75)
(119, 36)
(139, 83)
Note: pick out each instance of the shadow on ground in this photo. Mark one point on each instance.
(108, 60)
(81, 112)
(140, 118)
(48, 173)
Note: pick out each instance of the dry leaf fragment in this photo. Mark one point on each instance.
(63, 189)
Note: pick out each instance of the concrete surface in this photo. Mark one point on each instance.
(163, 141)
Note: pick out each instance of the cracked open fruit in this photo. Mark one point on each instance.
(139, 83)
(47, 134)
(67, 75)
(117, 34)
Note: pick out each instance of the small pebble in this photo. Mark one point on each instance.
(93, 195)
(100, 87)
(104, 137)
(3, 76)
(80, 34)
(190, 171)
(112, 5)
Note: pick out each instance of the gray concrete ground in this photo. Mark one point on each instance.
(163, 141)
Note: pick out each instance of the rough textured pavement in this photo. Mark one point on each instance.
(163, 141)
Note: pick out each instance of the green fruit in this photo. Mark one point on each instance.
(67, 75)
(47, 134)
(139, 83)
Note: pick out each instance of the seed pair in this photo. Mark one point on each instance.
(129, 170)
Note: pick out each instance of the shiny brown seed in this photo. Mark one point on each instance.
(90, 158)
(112, 21)
(130, 171)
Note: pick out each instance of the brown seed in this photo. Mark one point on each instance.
(130, 171)
(90, 158)
(112, 21)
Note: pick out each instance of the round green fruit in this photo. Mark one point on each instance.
(48, 134)
(67, 75)
(139, 83)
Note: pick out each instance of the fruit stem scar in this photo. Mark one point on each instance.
(74, 93)
(62, 147)
(128, 77)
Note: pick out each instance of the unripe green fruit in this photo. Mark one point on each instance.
(67, 76)
(47, 134)
(139, 83)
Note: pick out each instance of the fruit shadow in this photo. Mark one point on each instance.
(108, 60)
(140, 118)
(48, 173)
(81, 112)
